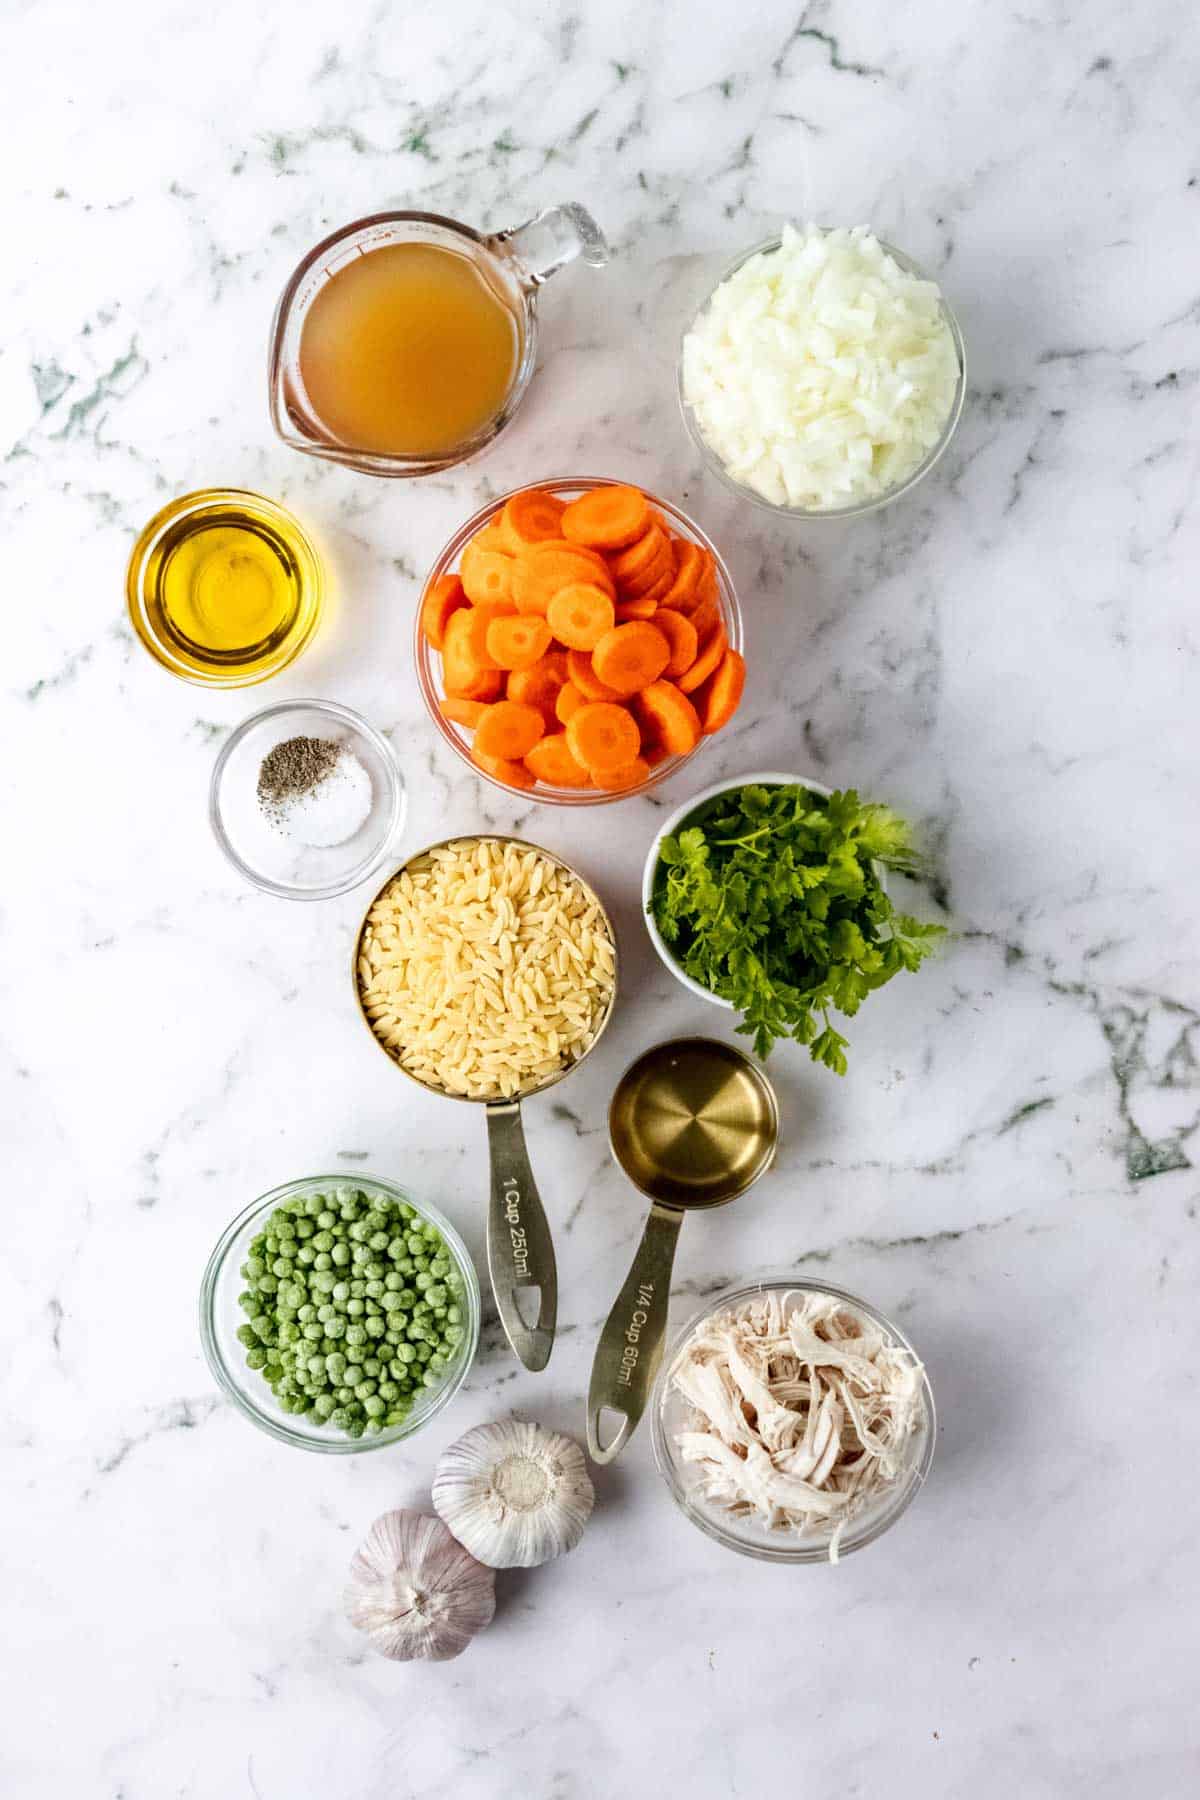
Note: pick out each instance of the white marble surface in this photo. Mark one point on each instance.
(1010, 657)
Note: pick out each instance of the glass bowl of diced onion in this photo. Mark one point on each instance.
(855, 507)
(429, 663)
(746, 1531)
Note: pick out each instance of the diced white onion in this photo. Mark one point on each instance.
(822, 373)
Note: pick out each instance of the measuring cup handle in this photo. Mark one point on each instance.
(631, 1344)
(519, 1249)
(551, 239)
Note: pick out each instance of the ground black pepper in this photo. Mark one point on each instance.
(293, 768)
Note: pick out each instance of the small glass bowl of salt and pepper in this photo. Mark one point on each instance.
(306, 799)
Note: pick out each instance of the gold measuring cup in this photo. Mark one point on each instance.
(693, 1123)
(515, 263)
(520, 1250)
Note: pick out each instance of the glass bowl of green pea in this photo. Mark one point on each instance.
(340, 1314)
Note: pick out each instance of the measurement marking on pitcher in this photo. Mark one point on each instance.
(633, 1333)
(516, 1231)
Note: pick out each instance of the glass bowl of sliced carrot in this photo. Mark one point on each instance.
(578, 639)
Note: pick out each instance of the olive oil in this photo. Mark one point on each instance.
(408, 350)
(224, 587)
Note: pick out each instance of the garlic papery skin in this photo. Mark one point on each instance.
(415, 1591)
(515, 1494)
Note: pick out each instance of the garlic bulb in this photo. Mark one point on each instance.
(415, 1591)
(514, 1494)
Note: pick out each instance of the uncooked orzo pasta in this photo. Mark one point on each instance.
(485, 968)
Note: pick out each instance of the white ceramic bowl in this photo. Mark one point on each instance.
(760, 778)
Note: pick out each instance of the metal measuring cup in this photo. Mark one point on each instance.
(520, 1250)
(693, 1123)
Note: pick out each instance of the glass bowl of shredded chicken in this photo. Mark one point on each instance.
(792, 1422)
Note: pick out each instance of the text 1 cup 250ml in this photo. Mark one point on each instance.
(520, 1250)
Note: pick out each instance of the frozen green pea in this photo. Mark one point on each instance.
(326, 1220)
(353, 1375)
(340, 1254)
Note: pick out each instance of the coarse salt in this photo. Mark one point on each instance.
(331, 812)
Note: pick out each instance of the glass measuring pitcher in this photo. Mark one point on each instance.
(486, 287)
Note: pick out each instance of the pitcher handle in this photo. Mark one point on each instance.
(551, 239)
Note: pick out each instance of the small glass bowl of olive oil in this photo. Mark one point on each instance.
(224, 588)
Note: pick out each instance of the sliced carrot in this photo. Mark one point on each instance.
(541, 569)
(688, 559)
(607, 518)
(519, 641)
(641, 608)
(585, 678)
(653, 754)
(629, 775)
(512, 774)
(707, 583)
(708, 659)
(719, 698)
(551, 760)
(540, 685)
(654, 574)
(631, 656)
(580, 614)
(680, 633)
(491, 536)
(639, 555)
(530, 517)
(603, 736)
(509, 730)
(462, 712)
(657, 589)
(705, 617)
(673, 718)
(485, 574)
(467, 669)
(442, 597)
(570, 699)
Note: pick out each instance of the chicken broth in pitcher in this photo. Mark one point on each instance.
(409, 350)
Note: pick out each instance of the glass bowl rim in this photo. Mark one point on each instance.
(793, 1551)
(214, 1351)
(855, 509)
(184, 506)
(397, 797)
(731, 616)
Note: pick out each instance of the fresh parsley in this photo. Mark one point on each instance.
(770, 897)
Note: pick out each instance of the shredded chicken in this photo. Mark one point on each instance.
(802, 1412)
